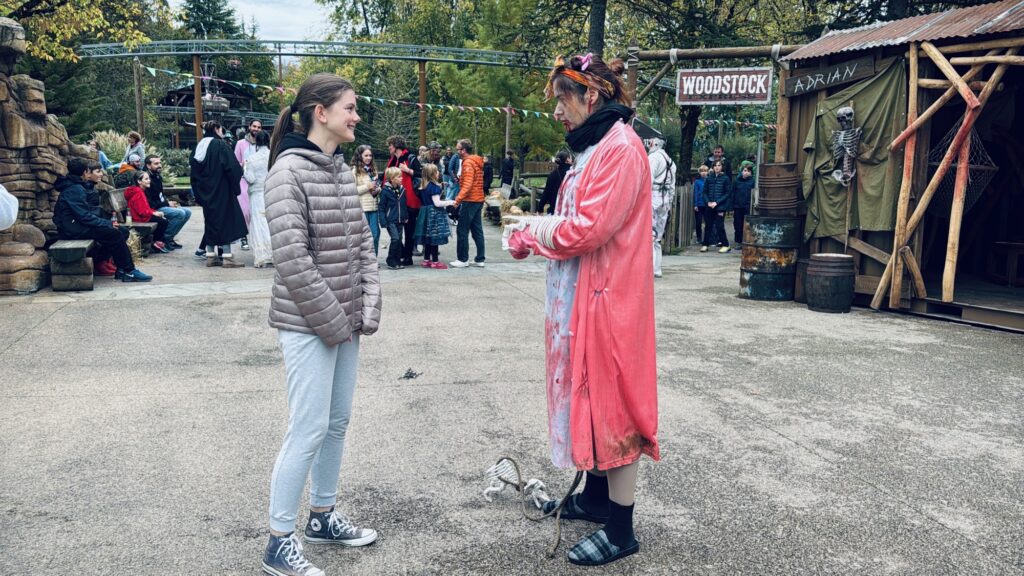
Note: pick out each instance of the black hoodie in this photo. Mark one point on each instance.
(296, 140)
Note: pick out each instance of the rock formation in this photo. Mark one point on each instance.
(34, 149)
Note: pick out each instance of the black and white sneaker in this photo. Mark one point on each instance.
(283, 557)
(199, 254)
(333, 527)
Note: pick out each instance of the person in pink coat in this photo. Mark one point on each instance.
(601, 365)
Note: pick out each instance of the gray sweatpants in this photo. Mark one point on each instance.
(321, 383)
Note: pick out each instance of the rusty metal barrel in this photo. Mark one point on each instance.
(830, 283)
(778, 189)
(768, 263)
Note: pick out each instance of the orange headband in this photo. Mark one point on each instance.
(602, 86)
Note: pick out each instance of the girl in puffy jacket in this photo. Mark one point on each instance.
(326, 295)
(139, 208)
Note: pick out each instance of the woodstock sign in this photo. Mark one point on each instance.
(713, 86)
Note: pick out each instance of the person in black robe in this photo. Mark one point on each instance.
(554, 182)
(215, 175)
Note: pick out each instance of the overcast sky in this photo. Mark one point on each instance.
(282, 19)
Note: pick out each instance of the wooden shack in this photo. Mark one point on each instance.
(935, 216)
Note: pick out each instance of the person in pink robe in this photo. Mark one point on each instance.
(599, 328)
(242, 150)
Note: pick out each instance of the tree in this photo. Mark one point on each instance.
(595, 37)
(210, 19)
(53, 26)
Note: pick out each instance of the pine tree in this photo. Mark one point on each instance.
(210, 19)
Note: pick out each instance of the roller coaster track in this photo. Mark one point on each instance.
(314, 49)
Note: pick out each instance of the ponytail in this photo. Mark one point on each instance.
(284, 125)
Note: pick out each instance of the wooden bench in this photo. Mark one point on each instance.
(70, 265)
(1012, 273)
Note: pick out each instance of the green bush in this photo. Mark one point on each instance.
(175, 164)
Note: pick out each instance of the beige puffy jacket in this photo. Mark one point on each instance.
(325, 277)
(365, 186)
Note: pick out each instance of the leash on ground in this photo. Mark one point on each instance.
(506, 472)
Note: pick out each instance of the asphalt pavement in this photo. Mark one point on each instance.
(139, 424)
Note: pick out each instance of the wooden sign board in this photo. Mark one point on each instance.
(715, 86)
(805, 82)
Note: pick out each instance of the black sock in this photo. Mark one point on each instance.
(594, 498)
(620, 524)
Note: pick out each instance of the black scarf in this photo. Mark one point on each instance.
(596, 126)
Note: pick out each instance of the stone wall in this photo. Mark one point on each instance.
(34, 149)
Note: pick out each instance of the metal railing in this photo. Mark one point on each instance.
(315, 48)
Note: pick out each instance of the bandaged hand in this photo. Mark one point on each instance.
(521, 244)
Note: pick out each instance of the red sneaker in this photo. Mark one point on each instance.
(439, 265)
(425, 264)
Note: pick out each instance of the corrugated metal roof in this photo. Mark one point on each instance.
(995, 18)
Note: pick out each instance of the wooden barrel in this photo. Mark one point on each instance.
(768, 263)
(777, 193)
(829, 283)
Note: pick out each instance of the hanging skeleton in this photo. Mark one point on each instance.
(844, 146)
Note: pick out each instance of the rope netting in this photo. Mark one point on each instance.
(981, 171)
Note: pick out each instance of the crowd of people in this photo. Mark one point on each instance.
(716, 192)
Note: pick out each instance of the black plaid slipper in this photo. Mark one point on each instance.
(573, 511)
(596, 550)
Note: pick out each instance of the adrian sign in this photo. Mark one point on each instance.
(711, 86)
(804, 81)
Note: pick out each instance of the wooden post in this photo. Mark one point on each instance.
(632, 71)
(984, 45)
(782, 121)
(935, 107)
(972, 60)
(197, 72)
(423, 103)
(657, 78)
(915, 271)
(508, 127)
(906, 187)
(140, 121)
(935, 84)
(949, 72)
(280, 78)
(956, 216)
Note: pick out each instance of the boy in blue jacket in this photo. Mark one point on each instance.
(393, 214)
(699, 206)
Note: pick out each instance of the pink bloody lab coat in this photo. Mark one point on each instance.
(609, 354)
(241, 150)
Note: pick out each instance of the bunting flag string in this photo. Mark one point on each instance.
(281, 89)
(365, 98)
(708, 123)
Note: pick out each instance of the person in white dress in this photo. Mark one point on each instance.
(256, 164)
